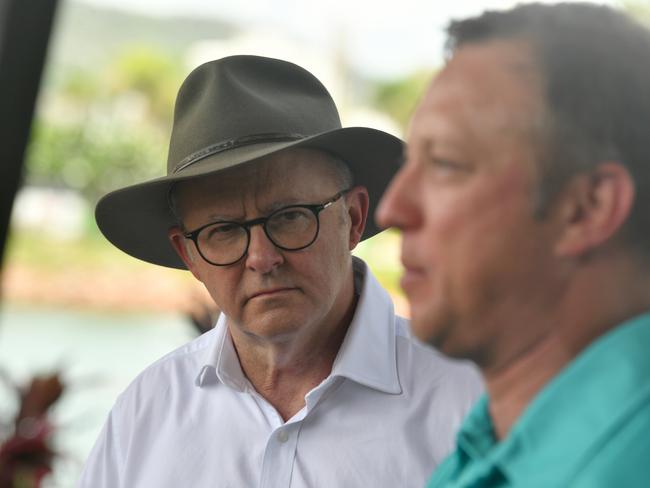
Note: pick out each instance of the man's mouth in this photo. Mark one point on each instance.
(412, 276)
(271, 292)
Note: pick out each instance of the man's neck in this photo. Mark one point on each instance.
(284, 372)
(593, 304)
(512, 389)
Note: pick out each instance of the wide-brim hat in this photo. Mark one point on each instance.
(233, 111)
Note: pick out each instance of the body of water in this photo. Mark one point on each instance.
(98, 355)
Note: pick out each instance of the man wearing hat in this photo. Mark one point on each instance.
(308, 378)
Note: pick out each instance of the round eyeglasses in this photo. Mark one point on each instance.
(290, 228)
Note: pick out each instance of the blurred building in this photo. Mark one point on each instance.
(53, 212)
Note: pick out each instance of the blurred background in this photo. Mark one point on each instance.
(75, 306)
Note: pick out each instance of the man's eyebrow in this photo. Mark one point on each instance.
(284, 203)
(264, 210)
(221, 217)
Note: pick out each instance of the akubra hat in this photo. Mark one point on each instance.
(233, 111)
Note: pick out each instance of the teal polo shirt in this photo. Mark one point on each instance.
(588, 428)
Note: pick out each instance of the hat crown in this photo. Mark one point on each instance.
(239, 97)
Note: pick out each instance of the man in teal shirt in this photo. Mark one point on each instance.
(524, 204)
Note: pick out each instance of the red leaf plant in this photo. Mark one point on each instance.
(26, 456)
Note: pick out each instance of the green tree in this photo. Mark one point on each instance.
(93, 159)
(638, 9)
(80, 85)
(87, 139)
(152, 73)
(399, 98)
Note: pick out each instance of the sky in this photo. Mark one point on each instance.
(382, 39)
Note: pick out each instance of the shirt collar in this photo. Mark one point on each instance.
(576, 411)
(476, 436)
(221, 361)
(367, 355)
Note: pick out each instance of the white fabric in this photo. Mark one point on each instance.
(385, 417)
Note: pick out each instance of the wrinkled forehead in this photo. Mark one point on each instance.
(286, 176)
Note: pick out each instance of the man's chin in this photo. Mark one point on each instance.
(422, 324)
(434, 330)
(269, 326)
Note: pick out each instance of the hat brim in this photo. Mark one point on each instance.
(136, 219)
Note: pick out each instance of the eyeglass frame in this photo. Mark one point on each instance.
(315, 208)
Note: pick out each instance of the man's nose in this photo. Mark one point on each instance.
(399, 205)
(263, 256)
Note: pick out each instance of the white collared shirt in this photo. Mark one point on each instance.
(385, 416)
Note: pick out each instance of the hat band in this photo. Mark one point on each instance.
(233, 144)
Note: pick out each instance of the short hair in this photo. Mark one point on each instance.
(595, 62)
(342, 172)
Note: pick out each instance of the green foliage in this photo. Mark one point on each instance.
(93, 158)
(81, 85)
(382, 253)
(99, 130)
(399, 98)
(38, 250)
(639, 9)
(150, 72)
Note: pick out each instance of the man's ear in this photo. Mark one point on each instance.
(184, 249)
(594, 208)
(358, 201)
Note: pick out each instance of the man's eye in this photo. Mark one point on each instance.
(291, 215)
(448, 167)
(448, 164)
(224, 228)
(221, 231)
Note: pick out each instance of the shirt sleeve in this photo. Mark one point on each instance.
(104, 466)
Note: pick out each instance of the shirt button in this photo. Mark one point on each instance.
(283, 436)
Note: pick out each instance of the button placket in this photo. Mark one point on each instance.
(283, 436)
(279, 456)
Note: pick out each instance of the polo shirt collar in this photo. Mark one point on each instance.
(569, 416)
(584, 403)
(367, 356)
